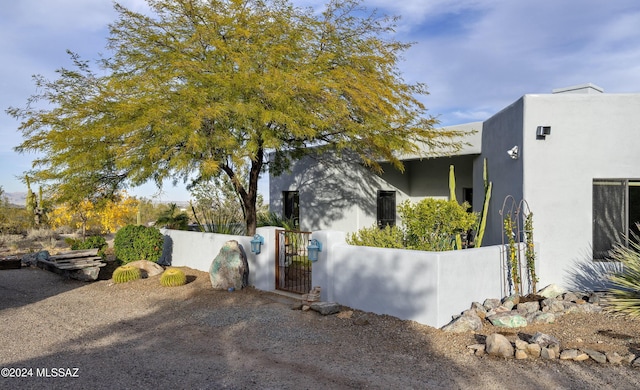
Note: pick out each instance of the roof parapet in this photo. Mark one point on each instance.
(581, 88)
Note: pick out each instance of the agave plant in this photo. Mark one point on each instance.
(624, 295)
(173, 277)
(126, 273)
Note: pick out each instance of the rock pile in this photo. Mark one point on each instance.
(515, 312)
(544, 307)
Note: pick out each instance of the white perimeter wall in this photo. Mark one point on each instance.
(427, 287)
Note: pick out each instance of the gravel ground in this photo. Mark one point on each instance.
(141, 335)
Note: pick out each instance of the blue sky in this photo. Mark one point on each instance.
(475, 56)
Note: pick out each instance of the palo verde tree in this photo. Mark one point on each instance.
(196, 89)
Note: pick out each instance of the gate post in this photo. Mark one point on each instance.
(322, 273)
(261, 272)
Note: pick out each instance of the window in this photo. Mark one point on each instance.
(291, 202)
(386, 210)
(616, 211)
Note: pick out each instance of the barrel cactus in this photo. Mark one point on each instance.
(126, 273)
(173, 277)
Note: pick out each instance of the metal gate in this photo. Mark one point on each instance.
(293, 268)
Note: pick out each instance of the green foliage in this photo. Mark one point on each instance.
(200, 89)
(134, 242)
(513, 258)
(274, 219)
(387, 237)
(126, 273)
(482, 222)
(171, 218)
(173, 277)
(432, 224)
(429, 225)
(530, 251)
(452, 196)
(624, 295)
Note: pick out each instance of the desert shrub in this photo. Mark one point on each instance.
(432, 224)
(136, 242)
(388, 237)
(126, 273)
(624, 295)
(90, 242)
(173, 277)
(429, 225)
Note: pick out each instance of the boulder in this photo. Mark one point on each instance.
(147, 268)
(230, 267)
(544, 340)
(525, 308)
(508, 320)
(325, 308)
(552, 291)
(595, 355)
(465, 323)
(490, 304)
(498, 345)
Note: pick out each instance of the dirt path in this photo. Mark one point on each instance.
(140, 335)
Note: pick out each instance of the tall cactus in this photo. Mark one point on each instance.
(452, 196)
(482, 223)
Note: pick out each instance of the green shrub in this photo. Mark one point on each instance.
(136, 242)
(126, 273)
(429, 225)
(173, 277)
(91, 242)
(389, 237)
(432, 224)
(624, 296)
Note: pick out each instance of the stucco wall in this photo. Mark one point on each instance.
(427, 287)
(592, 136)
(500, 133)
(340, 194)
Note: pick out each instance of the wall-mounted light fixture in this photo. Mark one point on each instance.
(256, 243)
(513, 152)
(314, 247)
(542, 132)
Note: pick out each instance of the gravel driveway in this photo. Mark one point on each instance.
(61, 333)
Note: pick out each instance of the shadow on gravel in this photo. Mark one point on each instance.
(19, 287)
(124, 336)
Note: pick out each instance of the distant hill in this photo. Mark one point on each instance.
(20, 199)
(17, 198)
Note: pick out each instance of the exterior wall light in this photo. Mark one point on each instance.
(542, 132)
(314, 247)
(513, 152)
(256, 243)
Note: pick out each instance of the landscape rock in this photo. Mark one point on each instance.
(465, 323)
(491, 304)
(552, 305)
(525, 308)
(581, 357)
(361, 320)
(595, 355)
(230, 267)
(614, 357)
(508, 320)
(569, 354)
(147, 268)
(552, 291)
(548, 353)
(534, 350)
(544, 340)
(325, 308)
(88, 274)
(543, 318)
(521, 354)
(498, 345)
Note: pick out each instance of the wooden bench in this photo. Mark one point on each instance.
(77, 264)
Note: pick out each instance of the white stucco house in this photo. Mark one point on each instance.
(577, 166)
